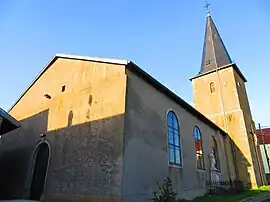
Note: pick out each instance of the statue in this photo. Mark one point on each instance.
(212, 160)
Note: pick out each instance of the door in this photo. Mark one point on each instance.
(40, 171)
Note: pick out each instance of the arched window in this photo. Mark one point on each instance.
(212, 87)
(215, 152)
(199, 148)
(174, 139)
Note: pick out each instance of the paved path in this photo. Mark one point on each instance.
(258, 198)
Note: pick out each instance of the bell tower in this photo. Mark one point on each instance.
(220, 94)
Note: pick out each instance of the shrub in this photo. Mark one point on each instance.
(165, 192)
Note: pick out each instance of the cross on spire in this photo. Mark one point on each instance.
(207, 5)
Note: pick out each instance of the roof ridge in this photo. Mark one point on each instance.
(100, 59)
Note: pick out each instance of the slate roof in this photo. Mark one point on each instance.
(215, 54)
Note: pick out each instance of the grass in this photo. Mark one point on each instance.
(234, 198)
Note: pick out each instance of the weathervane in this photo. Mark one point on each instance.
(207, 8)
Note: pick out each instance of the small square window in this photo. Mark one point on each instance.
(63, 88)
(207, 62)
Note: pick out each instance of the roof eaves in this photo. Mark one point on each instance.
(148, 78)
(239, 72)
(223, 67)
(34, 81)
(211, 71)
(9, 118)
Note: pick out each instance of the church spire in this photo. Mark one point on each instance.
(215, 54)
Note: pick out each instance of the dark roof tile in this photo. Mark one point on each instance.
(215, 54)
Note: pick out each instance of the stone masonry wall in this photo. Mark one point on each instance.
(84, 127)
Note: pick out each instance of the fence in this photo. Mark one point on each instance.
(224, 187)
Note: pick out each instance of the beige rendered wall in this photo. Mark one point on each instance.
(84, 126)
(250, 128)
(230, 100)
(146, 149)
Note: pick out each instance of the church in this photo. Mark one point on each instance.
(99, 129)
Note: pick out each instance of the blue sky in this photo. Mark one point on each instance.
(165, 38)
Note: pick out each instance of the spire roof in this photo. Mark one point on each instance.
(215, 54)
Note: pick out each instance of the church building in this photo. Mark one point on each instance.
(99, 129)
(220, 94)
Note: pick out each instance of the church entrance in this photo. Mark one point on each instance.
(40, 171)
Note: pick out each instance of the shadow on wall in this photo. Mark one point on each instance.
(86, 159)
(16, 151)
(241, 164)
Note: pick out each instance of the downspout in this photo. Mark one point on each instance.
(222, 102)
(226, 129)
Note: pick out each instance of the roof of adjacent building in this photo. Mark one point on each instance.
(215, 55)
(263, 135)
(7, 122)
(141, 73)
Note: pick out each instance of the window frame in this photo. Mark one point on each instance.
(207, 62)
(196, 153)
(169, 145)
(212, 90)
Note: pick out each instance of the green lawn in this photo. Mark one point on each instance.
(234, 198)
